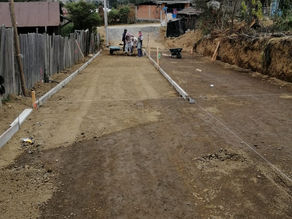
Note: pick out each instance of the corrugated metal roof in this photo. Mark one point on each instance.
(169, 2)
(31, 14)
(159, 2)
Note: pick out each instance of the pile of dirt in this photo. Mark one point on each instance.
(185, 41)
(221, 155)
(265, 54)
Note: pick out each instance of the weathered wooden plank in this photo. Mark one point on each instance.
(41, 54)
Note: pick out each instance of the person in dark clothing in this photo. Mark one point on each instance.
(2, 89)
(124, 39)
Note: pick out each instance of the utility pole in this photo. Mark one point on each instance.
(105, 23)
(17, 47)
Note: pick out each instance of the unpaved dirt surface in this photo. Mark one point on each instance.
(257, 108)
(13, 105)
(118, 142)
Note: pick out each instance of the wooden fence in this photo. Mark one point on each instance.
(42, 55)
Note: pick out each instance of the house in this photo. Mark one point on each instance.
(32, 16)
(154, 10)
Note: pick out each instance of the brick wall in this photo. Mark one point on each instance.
(148, 12)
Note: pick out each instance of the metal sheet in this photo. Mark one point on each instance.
(31, 14)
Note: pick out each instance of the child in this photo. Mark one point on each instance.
(139, 46)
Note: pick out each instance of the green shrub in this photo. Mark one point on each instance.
(66, 30)
(113, 16)
(124, 13)
(251, 10)
(283, 23)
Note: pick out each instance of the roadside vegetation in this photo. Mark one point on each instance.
(86, 15)
(123, 14)
(83, 15)
(244, 12)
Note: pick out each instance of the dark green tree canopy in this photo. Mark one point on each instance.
(84, 15)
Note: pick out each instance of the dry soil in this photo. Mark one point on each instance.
(118, 142)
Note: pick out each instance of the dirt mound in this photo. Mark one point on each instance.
(185, 41)
(222, 155)
(268, 55)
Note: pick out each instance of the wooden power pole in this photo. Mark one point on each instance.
(17, 47)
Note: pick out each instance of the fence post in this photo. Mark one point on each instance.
(17, 49)
(43, 55)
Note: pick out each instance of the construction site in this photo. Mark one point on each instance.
(200, 126)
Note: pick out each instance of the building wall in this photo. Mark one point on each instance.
(148, 12)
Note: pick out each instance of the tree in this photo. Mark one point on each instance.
(124, 13)
(84, 15)
(113, 16)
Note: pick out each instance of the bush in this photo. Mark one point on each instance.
(124, 13)
(113, 16)
(66, 30)
(283, 23)
(251, 10)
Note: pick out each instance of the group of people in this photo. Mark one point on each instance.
(131, 42)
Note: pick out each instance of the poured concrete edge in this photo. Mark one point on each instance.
(22, 117)
(170, 80)
(54, 90)
(15, 125)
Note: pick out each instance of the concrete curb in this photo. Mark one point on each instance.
(15, 125)
(54, 90)
(170, 80)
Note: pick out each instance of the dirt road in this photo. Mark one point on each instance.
(117, 142)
